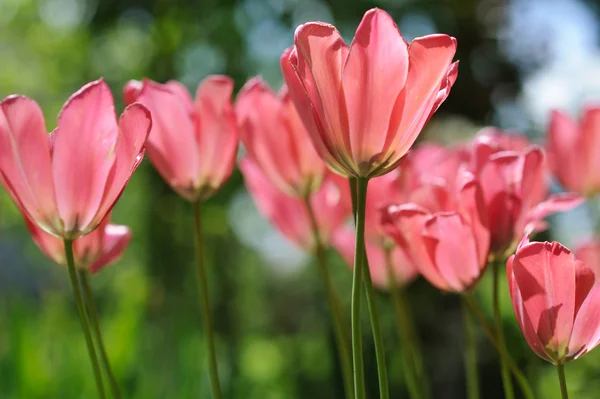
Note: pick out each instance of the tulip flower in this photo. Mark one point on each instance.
(573, 150)
(515, 187)
(193, 144)
(67, 182)
(276, 140)
(449, 248)
(365, 105)
(556, 299)
(92, 252)
(330, 205)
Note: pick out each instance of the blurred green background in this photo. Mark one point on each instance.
(518, 60)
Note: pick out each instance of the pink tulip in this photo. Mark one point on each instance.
(193, 145)
(589, 253)
(276, 140)
(94, 251)
(68, 181)
(364, 106)
(330, 204)
(514, 187)
(556, 299)
(402, 267)
(450, 248)
(574, 151)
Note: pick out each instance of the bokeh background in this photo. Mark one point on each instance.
(518, 59)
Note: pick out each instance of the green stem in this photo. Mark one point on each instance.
(470, 355)
(334, 305)
(91, 307)
(384, 391)
(205, 306)
(489, 332)
(83, 318)
(359, 255)
(560, 369)
(416, 379)
(506, 380)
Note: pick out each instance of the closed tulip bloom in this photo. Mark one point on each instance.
(556, 299)
(402, 267)
(330, 204)
(515, 189)
(67, 182)
(93, 252)
(450, 248)
(574, 150)
(193, 143)
(276, 140)
(365, 105)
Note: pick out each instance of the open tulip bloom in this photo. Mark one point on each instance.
(364, 106)
(66, 182)
(556, 299)
(193, 145)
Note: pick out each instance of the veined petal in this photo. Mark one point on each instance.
(374, 75)
(25, 162)
(83, 155)
(115, 241)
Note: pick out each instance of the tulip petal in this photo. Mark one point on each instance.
(474, 211)
(586, 327)
(374, 75)
(561, 202)
(590, 145)
(25, 162)
(429, 59)
(116, 239)
(83, 155)
(452, 248)
(320, 58)
(545, 275)
(172, 145)
(217, 132)
(135, 125)
(529, 332)
(564, 140)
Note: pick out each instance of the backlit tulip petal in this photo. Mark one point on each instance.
(116, 240)
(78, 156)
(25, 162)
(573, 150)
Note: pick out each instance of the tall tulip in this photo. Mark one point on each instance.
(364, 107)
(573, 150)
(276, 140)
(556, 299)
(67, 182)
(193, 145)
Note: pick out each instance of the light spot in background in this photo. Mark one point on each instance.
(267, 40)
(541, 31)
(197, 61)
(8, 9)
(281, 256)
(415, 24)
(66, 14)
(122, 51)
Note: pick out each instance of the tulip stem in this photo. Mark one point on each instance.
(506, 380)
(359, 255)
(93, 311)
(204, 302)
(560, 369)
(416, 379)
(334, 304)
(470, 355)
(384, 391)
(489, 332)
(83, 317)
